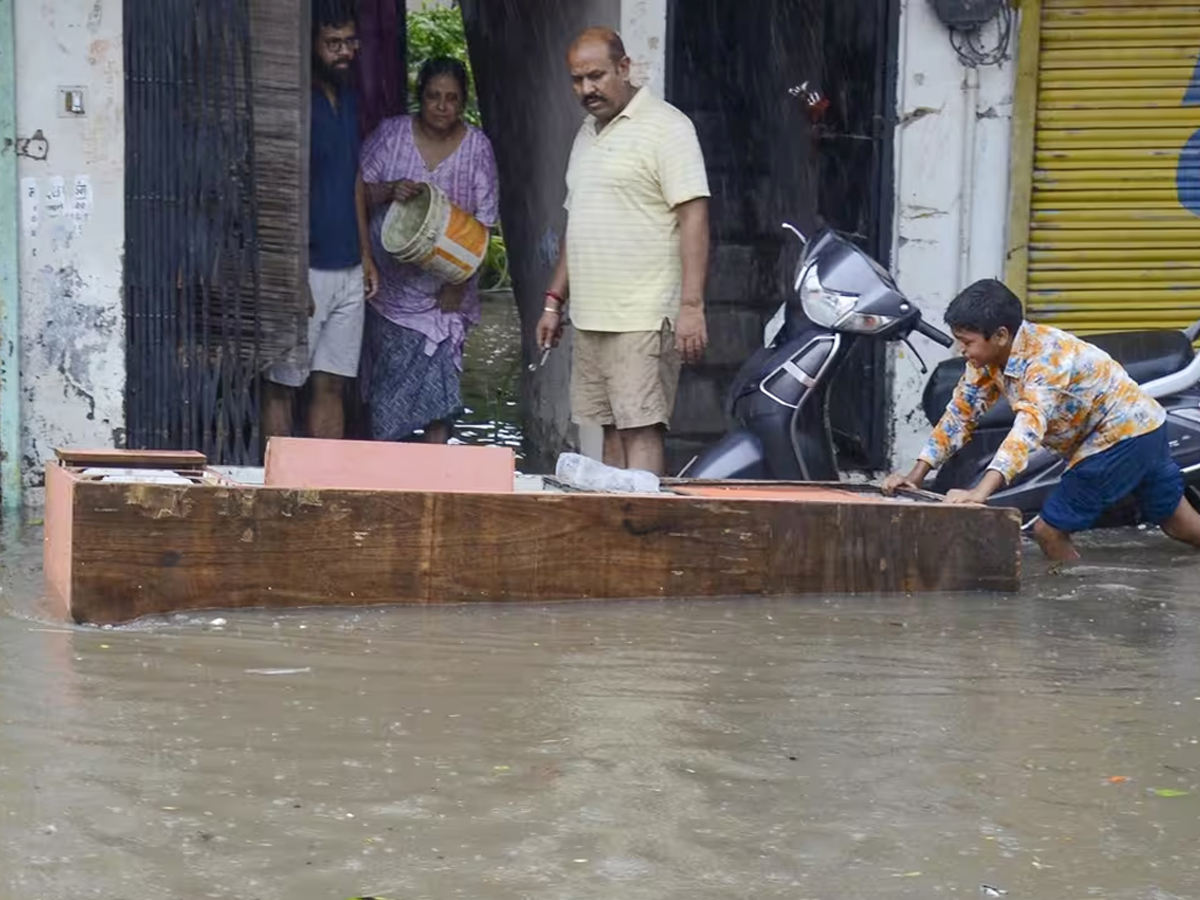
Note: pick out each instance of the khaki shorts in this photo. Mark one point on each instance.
(625, 379)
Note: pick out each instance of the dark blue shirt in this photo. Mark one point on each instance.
(333, 226)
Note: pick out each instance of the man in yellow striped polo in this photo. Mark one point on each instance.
(635, 257)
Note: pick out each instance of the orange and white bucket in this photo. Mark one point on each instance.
(431, 232)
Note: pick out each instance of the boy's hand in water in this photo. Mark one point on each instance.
(911, 482)
(958, 497)
(988, 485)
(896, 482)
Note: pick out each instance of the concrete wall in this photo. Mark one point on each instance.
(644, 31)
(72, 226)
(952, 164)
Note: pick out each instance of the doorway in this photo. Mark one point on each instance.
(729, 68)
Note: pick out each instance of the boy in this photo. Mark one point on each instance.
(1071, 397)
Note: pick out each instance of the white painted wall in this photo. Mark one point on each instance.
(73, 231)
(940, 206)
(644, 31)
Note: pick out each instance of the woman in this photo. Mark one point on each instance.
(417, 323)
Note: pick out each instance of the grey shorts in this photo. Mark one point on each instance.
(335, 328)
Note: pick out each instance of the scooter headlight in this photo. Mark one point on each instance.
(833, 310)
(824, 307)
(865, 323)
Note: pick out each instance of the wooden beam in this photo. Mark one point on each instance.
(142, 549)
(57, 556)
(133, 459)
(1024, 134)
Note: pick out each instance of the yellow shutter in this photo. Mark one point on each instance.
(1114, 232)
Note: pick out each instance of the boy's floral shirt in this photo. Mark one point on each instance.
(1067, 395)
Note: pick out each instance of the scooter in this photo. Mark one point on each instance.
(840, 296)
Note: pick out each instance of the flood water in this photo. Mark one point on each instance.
(827, 748)
(491, 377)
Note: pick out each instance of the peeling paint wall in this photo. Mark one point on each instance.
(72, 225)
(932, 191)
(644, 31)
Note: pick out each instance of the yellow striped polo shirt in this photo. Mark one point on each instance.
(623, 185)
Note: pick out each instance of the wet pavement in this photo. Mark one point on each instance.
(840, 748)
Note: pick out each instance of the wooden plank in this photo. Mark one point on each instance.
(781, 493)
(59, 521)
(380, 465)
(583, 546)
(133, 459)
(861, 548)
(142, 549)
(858, 489)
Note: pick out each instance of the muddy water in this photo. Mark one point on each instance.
(491, 377)
(838, 748)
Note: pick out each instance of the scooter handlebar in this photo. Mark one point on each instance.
(934, 334)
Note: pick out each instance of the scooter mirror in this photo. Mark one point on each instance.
(788, 226)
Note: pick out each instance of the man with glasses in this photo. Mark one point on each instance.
(336, 270)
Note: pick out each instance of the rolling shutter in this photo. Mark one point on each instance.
(1114, 238)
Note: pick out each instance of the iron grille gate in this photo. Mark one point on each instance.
(194, 328)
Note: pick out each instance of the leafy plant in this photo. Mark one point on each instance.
(495, 275)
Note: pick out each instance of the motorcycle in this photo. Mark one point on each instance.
(780, 398)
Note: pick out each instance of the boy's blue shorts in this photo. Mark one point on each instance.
(1141, 466)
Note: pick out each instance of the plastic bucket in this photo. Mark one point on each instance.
(431, 232)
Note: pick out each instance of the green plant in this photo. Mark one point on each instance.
(495, 275)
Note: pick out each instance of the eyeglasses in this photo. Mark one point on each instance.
(341, 45)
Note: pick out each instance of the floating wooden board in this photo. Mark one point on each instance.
(134, 459)
(118, 550)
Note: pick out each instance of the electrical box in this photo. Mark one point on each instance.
(965, 15)
(72, 102)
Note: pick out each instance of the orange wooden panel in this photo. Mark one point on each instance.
(303, 463)
(57, 549)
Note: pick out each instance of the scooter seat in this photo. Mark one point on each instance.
(1146, 355)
